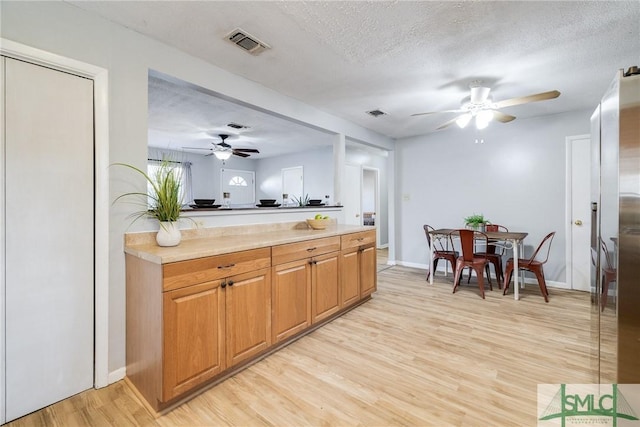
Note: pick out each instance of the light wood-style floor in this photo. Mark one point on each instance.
(414, 355)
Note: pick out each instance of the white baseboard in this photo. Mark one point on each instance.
(117, 375)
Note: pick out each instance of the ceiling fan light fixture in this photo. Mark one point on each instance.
(481, 124)
(222, 154)
(463, 120)
(485, 116)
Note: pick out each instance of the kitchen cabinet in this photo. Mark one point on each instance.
(325, 286)
(194, 320)
(194, 336)
(358, 277)
(302, 275)
(248, 315)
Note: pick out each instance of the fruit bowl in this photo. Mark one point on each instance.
(318, 224)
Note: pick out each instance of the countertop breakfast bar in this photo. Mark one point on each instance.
(226, 297)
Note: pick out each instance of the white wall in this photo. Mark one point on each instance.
(516, 179)
(365, 156)
(63, 29)
(317, 167)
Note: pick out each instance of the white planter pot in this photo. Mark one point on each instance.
(168, 234)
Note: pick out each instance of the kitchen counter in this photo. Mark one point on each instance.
(198, 243)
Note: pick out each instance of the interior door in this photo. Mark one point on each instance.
(49, 236)
(241, 186)
(580, 260)
(352, 196)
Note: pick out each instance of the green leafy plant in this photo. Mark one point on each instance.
(163, 201)
(301, 201)
(475, 220)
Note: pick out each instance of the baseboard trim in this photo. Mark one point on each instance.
(117, 375)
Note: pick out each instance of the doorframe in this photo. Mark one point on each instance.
(100, 77)
(376, 172)
(568, 207)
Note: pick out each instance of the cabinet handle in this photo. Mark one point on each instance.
(226, 266)
(360, 239)
(311, 249)
(230, 283)
(224, 284)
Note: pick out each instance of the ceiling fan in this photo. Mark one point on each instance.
(480, 106)
(222, 150)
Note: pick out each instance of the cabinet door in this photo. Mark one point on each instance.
(248, 315)
(368, 271)
(325, 286)
(193, 337)
(349, 278)
(291, 298)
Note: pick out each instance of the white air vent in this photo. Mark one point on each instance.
(246, 41)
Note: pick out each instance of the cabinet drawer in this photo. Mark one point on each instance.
(306, 249)
(355, 240)
(184, 273)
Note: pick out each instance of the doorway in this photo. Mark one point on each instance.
(578, 257)
(240, 185)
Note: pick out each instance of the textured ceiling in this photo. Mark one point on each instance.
(403, 57)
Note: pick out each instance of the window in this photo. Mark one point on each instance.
(237, 181)
(182, 171)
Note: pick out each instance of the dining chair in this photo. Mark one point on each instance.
(533, 264)
(439, 250)
(609, 274)
(468, 238)
(494, 252)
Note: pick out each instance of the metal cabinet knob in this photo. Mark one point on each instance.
(578, 222)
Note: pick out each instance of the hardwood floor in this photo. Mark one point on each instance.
(415, 355)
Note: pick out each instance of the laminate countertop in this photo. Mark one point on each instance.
(208, 243)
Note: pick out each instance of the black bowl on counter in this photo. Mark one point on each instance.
(204, 202)
(315, 202)
(267, 201)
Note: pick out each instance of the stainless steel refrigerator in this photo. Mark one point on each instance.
(615, 236)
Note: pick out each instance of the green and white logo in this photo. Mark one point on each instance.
(587, 404)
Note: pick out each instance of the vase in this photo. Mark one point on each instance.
(168, 234)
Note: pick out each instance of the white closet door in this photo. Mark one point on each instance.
(49, 236)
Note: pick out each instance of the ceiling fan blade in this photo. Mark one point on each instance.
(436, 112)
(502, 117)
(246, 150)
(196, 148)
(240, 154)
(526, 99)
(449, 123)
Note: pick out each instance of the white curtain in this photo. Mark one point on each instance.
(187, 183)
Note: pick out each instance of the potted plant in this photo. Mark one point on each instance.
(162, 202)
(476, 222)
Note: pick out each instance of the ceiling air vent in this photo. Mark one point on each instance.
(237, 126)
(246, 41)
(376, 113)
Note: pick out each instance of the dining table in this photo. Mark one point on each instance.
(512, 239)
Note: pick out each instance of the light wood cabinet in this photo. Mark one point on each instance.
(248, 315)
(194, 344)
(358, 276)
(349, 277)
(291, 296)
(303, 276)
(325, 286)
(194, 321)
